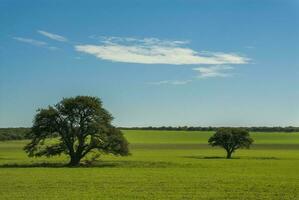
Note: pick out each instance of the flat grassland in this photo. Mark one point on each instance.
(163, 165)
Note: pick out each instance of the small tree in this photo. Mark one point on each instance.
(231, 139)
(76, 127)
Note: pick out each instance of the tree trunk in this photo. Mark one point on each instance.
(229, 154)
(75, 161)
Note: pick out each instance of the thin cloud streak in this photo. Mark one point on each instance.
(30, 41)
(171, 82)
(214, 71)
(36, 43)
(53, 36)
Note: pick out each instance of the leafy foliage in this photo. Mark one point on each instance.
(75, 126)
(231, 139)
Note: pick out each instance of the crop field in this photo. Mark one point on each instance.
(163, 165)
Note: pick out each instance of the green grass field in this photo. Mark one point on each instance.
(163, 165)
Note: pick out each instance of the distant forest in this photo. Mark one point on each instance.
(14, 133)
(210, 128)
(24, 133)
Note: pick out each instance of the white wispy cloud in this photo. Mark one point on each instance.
(152, 51)
(53, 48)
(30, 41)
(53, 36)
(171, 82)
(250, 47)
(137, 41)
(37, 43)
(214, 71)
(155, 51)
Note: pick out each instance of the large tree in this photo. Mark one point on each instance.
(76, 127)
(231, 139)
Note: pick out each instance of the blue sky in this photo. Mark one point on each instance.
(200, 63)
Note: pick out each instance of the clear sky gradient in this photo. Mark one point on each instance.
(153, 63)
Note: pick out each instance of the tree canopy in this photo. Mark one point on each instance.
(76, 127)
(231, 139)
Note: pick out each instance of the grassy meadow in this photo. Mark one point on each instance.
(163, 165)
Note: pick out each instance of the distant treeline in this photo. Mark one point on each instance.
(14, 133)
(192, 128)
(23, 133)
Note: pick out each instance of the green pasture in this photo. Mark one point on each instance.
(163, 165)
